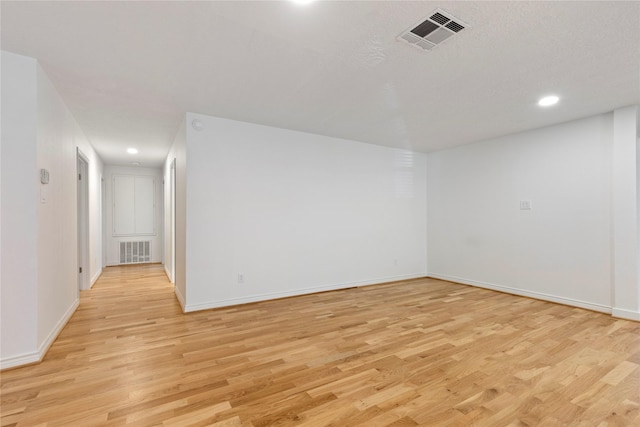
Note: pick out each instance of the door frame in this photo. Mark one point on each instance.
(172, 222)
(82, 174)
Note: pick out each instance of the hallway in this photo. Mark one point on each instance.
(423, 352)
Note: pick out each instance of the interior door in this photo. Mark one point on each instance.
(83, 221)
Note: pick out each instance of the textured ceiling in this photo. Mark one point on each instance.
(129, 70)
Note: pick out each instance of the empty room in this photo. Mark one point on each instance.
(320, 213)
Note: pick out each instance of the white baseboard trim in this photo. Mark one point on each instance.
(626, 314)
(44, 346)
(296, 292)
(521, 292)
(35, 357)
(23, 359)
(95, 278)
(166, 271)
(180, 298)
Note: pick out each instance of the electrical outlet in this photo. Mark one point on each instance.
(240, 278)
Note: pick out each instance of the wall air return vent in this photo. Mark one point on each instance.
(429, 33)
(135, 252)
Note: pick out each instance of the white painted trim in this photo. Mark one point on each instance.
(83, 236)
(180, 298)
(626, 314)
(521, 292)
(95, 278)
(23, 359)
(35, 357)
(44, 347)
(296, 292)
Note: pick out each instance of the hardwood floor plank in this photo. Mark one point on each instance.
(416, 353)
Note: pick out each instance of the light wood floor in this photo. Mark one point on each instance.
(423, 352)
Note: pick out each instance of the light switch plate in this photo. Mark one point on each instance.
(44, 176)
(525, 205)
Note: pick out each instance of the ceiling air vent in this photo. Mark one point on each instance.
(429, 33)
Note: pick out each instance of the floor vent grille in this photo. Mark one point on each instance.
(135, 252)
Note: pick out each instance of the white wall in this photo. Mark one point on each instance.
(96, 245)
(169, 216)
(561, 249)
(179, 153)
(626, 213)
(59, 136)
(39, 238)
(296, 213)
(113, 242)
(19, 193)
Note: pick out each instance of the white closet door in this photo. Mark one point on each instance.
(133, 205)
(124, 221)
(144, 205)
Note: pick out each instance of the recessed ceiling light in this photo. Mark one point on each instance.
(302, 1)
(132, 150)
(548, 101)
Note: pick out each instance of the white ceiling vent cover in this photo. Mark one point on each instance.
(430, 32)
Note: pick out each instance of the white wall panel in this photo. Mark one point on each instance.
(39, 234)
(59, 138)
(561, 248)
(19, 192)
(176, 240)
(626, 213)
(294, 213)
